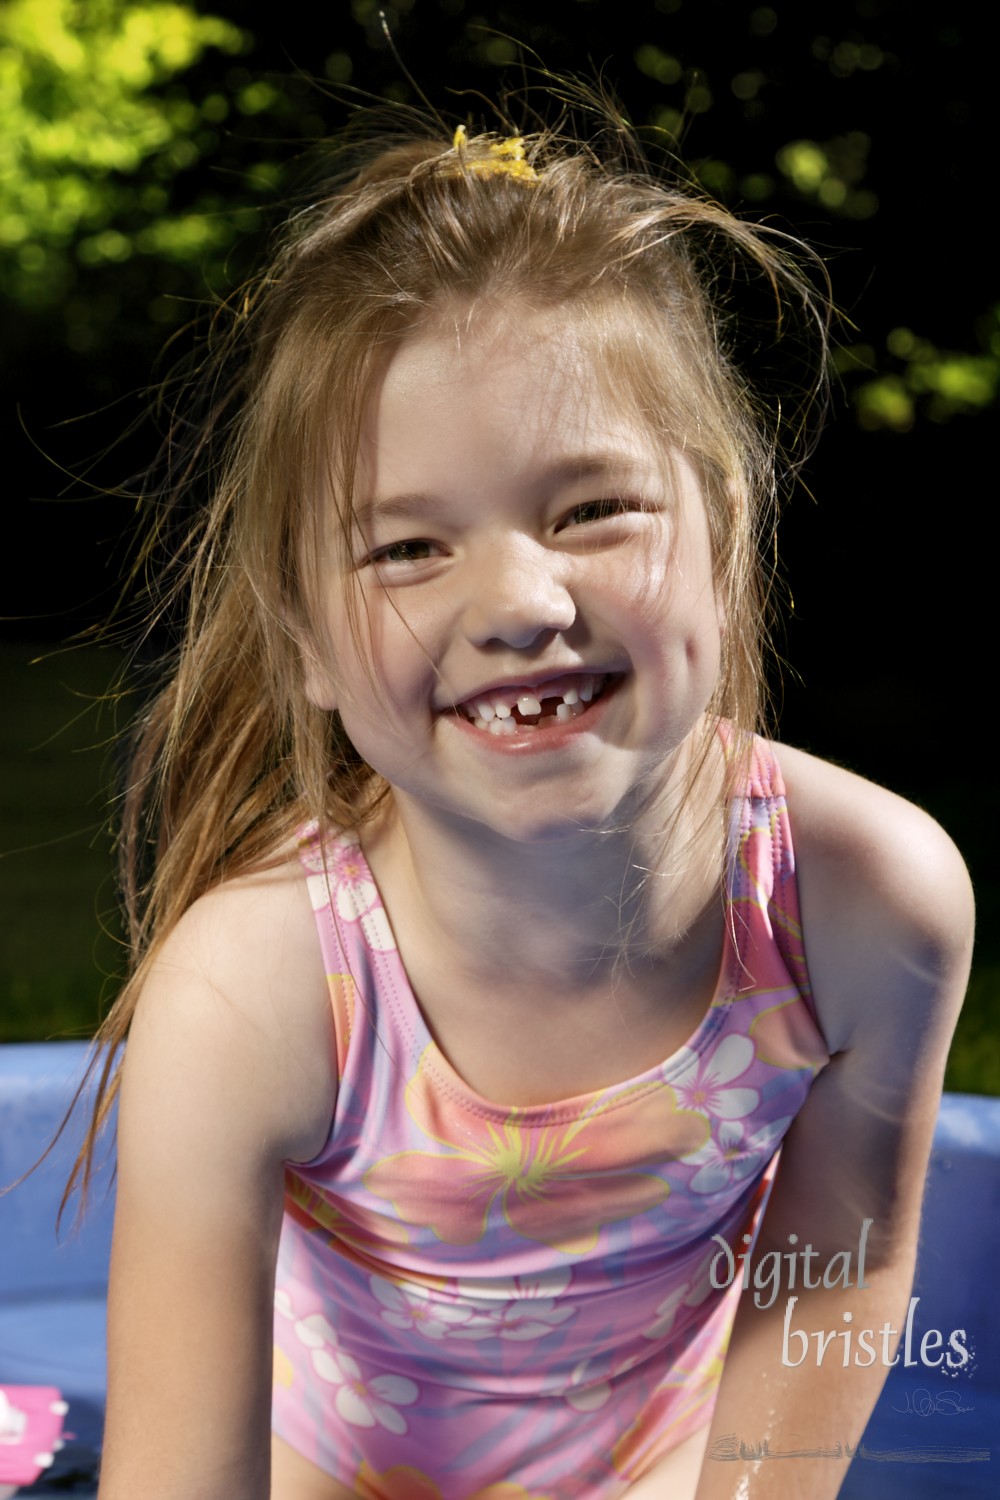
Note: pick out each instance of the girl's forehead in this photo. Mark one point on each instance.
(505, 401)
(486, 340)
(515, 372)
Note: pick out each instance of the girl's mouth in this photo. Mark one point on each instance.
(519, 710)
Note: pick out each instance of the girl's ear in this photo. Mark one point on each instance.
(317, 676)
(318, 683)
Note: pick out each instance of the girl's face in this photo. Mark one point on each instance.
(537, 633)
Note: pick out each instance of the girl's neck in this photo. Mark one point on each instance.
(570, 910)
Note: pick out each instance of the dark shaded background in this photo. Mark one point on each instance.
(885, 555)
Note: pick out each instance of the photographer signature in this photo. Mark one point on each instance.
(921, 1403)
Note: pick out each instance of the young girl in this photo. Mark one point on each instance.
(474, 1002)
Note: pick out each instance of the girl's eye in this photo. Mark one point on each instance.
(412, 551)
(600, 510)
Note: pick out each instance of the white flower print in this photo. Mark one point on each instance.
(701, 1283)
(734, 1155)
(363, 1403)
(701, 1081)
(412, 1308)
(665, 1314)
(353, 890)
(343, 881)
(592, 1397)
(518, 1308)
(586, 1397)
(314, 1331)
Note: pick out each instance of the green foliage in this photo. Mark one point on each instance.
(828, 173)
(939, 383)
(848, 56)
(136, 150)
(95, 123)
(910, 377)
(831, 173)
(656, 63)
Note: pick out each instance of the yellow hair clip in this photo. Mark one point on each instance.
(504, 157)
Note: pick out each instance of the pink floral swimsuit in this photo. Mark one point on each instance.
(477, 1302)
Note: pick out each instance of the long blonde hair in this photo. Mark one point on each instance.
(230, 757)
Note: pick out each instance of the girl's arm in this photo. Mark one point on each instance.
(227, 1074)
(887, 913)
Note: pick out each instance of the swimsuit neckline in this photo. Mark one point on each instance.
(394, 981)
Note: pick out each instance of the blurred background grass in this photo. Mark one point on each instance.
(60, 948)
(59, 942)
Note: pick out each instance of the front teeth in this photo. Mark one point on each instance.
(495, 713)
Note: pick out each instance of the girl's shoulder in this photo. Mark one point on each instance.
(227, 1075)
(886, 901)
(237, 995)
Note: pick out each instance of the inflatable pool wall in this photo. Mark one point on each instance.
(934, 1434)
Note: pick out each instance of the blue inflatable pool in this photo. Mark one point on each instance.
(932, 1437)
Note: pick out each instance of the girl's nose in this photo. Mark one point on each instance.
(518, 592)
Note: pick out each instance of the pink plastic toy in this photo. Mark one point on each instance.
(31, 1420)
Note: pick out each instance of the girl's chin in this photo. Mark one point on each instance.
(544, 816)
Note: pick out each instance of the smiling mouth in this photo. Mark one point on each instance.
(517, 710)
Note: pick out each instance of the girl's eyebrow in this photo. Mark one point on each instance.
(608, 463)
(392, 507)
(613, 463)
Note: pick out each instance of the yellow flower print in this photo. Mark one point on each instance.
(401, 1479)
(785, 1036)
(555, 1178)
(283, 1371)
